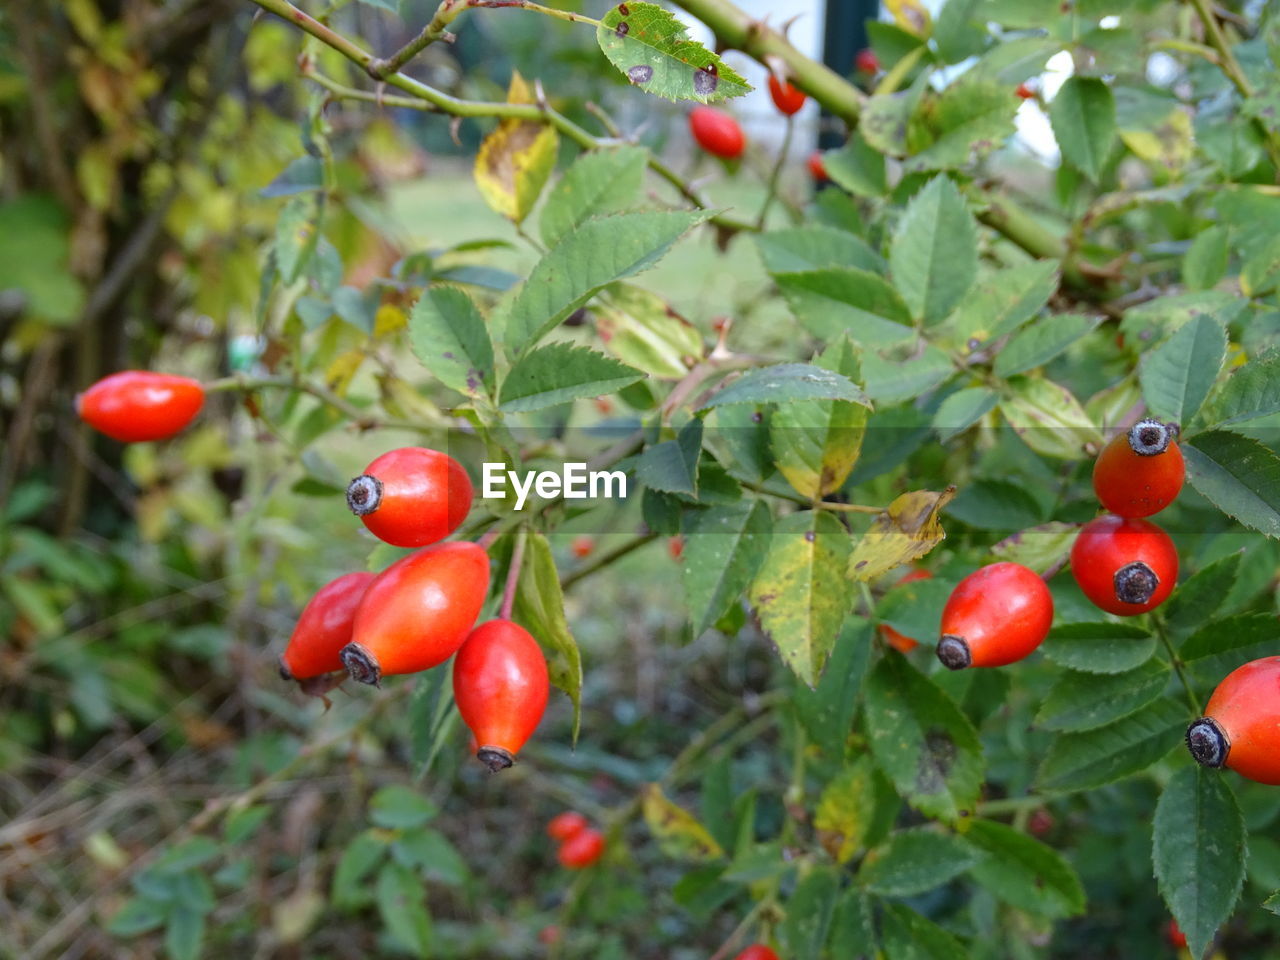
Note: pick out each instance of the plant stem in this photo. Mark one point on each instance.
(1158, 623)
(777, 170)
(513, 575)
(605, 559)
(361, 418)
(446, 13)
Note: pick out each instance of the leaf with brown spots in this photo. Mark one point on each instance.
(677, 831)
(516, 159)
(906, 531)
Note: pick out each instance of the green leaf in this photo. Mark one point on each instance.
(723, 550)
(184, 934)
(905, 935)
(1082, 761)
(431, 854)
(402, 904)
(915, 609)
(1099, 647)
(934, 255)
(430, 715)
(602, 251)
(1259, 273)
(816, 443)
(560, 372)
(678, 832)
(1206, 260)
(398, 807)
(801, 594)
(1231, 633)
(652, 49)
(1042, 548)
(1198, 848)
(827, 711)
(832, 301)
(1251, 392)
(599, 182)
(846, 810)
(1272, 903)
(187, 855)
(1201, 595)
(786, 382)
(641, 329)
(913, 861)
(1237, 475)
(815, 247)
(810, 909)
(885, 117)
(1177, 375)
(1041, 342)
(672, 466)
(889, 381)
(1083, 701)
(922, 741)
(35, 257)
(852, 932)
(539, 608)
(996, 505)
(450, 338)
(962, 410)
(1002, 302)
(856, 167)
(363, 852)
(138, 915)
(296, 236)
(1024, 872)
(1049, 419)
(1083, 116)
(971, 118)
(303, 175)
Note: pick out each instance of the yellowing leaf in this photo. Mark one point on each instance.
(846, 809)
(677, 831)
(388, 320)
(1168, 145)
(516, 159)
(339, 373)
(906, 531)
(911, 16)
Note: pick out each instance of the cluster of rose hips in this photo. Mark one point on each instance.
(581, 845)
(411, 617)
(1125, 565)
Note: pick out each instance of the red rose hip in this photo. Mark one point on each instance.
(786, 98)
(1139, 472)
(1125, 566)
(1240, 729)
(324, 628)
(581, 850)
(136, 405)
(411, 497)
(716, 132)
(996, 615)
(500, 685)
(565, 825)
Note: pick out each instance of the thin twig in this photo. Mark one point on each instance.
(513, 575)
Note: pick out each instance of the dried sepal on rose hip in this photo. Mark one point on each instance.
(1141, 471)
(417, 613)
(500, 684)
(1240, 729)
(1124, 565)
(411, 497)
(311, 656)
(995, 616)
(134, 406)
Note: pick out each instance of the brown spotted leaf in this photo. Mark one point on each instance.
(654, 52)
(906, 531)
(677, 831)
(516, 159)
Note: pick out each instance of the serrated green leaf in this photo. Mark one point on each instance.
(1206, 260)
(138, 915)
(885, 117)
(677, 831)
(857, 167)
(970, 119)
(296, 236)
(431, 854)
(1099, 647)
(1083, 116)
(672, 466)
(1084, 701)
(450, 338)
(1041, 342)
(786, 382)
(962, 410)
(1082, 761)
(430, 711)
(1259, 273)
(599, 182)
(1041, 548)
(827, 711)
(1200, 596)
(539, 608)
(723, 550)
(1198, 848)
(846, 809)
(832, 301)
(402, 904)
(916, 860)
(1251, 392)
(810, 909)
(815, 247)
(800, 593)
(1000, 303)
(398, 807)
(602, 251)
(362, 853)
(890, 381)
(996, 505)
(1177, 375)
(1024, 872)
(1049, 419)
(934, 254)
(560, 372)
(905, 935)
(922, 741)
(915, 609)
(652, 49)
(1228, 634)
(1238, 475)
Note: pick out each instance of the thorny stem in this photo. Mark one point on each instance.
(1157, 622)
(513, 575)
